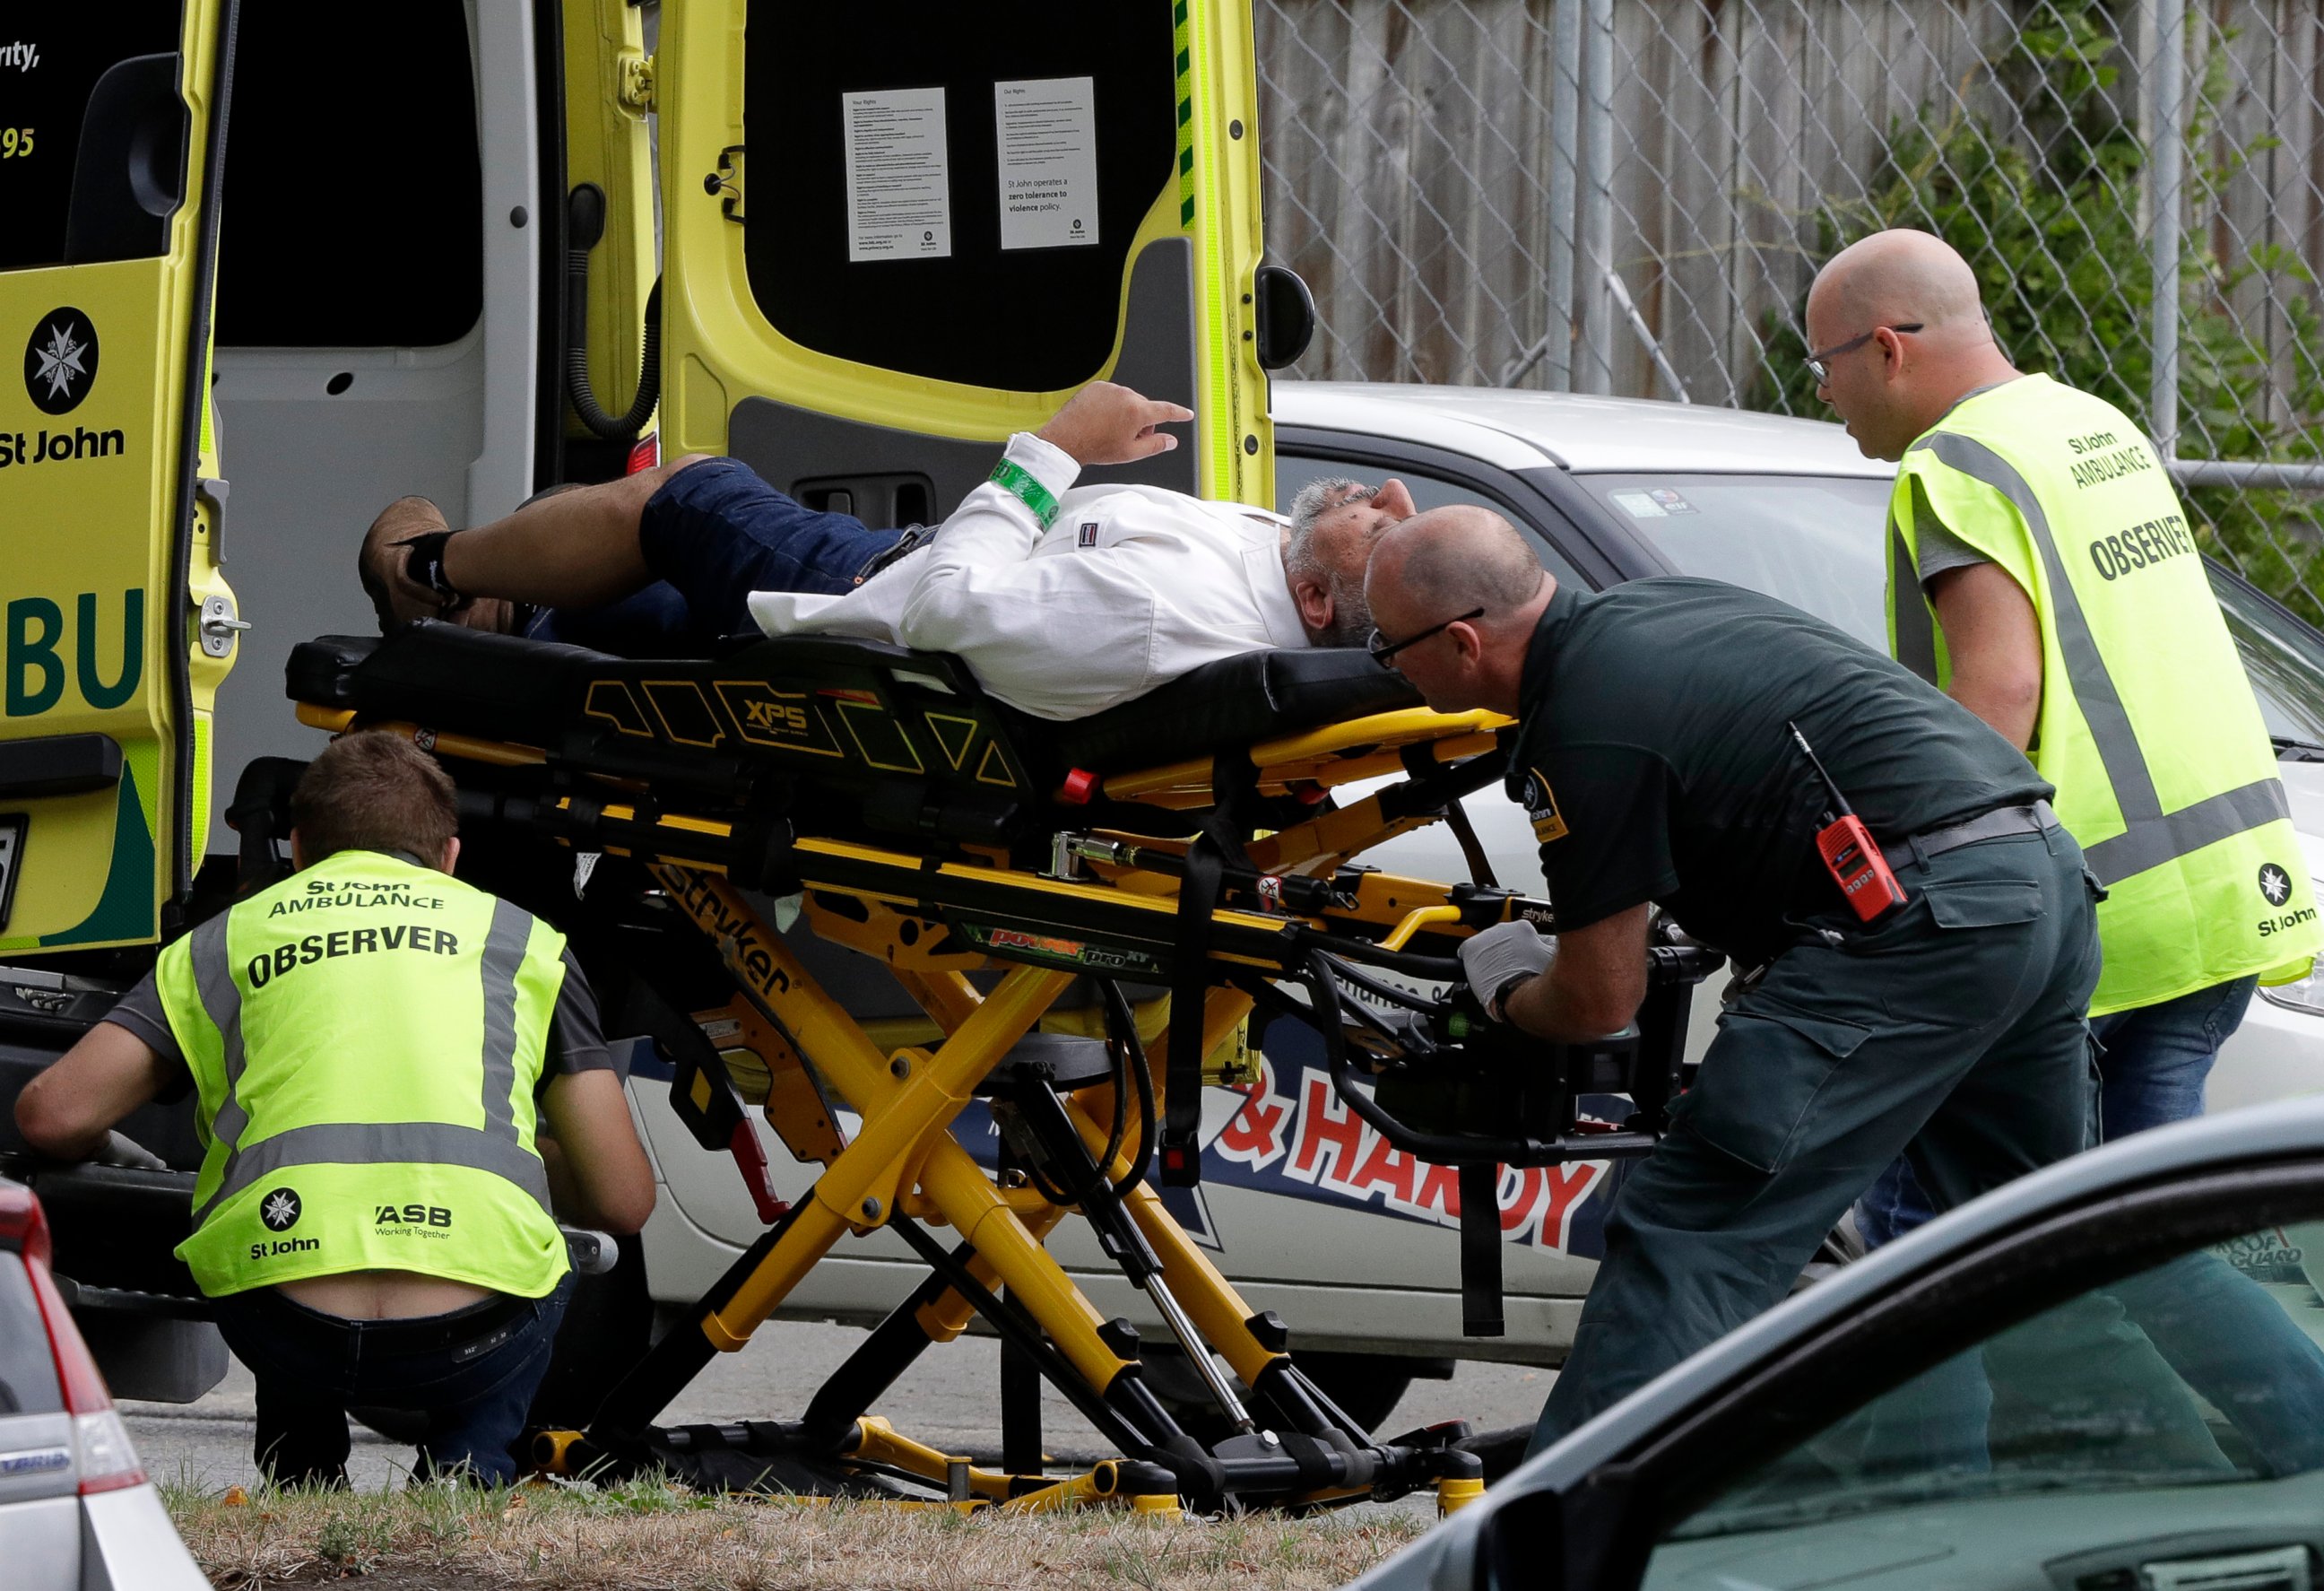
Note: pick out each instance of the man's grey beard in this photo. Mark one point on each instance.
(1351, 616)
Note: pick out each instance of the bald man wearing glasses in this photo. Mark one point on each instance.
(2043, 573)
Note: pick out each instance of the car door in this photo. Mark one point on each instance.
(1295, 1182)
(2126, 1390)
(117, 626)
(895, 232)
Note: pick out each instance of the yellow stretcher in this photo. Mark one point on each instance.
(989, 862)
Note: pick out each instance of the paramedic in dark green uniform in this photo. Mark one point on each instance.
(1654, 759)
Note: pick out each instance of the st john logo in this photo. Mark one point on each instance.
(60, 360)
(2274, 883)
(280, 1210)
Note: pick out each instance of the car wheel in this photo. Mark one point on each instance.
(609, 1324)
(1367, 1386)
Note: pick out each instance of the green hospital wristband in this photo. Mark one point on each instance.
(1021, 484)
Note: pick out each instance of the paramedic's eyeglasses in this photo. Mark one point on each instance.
(1820, 366)
(1382, 648)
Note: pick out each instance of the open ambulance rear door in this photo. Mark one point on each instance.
(896, 231)
(115, 626)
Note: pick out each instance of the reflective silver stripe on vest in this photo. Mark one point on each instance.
(2151, 836)
(371, 1144)
(504, 959)
(2189, 828)
(221, 1001)
(1917, 632)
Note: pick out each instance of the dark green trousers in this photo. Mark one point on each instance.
(1953, 1034)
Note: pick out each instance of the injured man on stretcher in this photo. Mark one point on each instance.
(1063, 601)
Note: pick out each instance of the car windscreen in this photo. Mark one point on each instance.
(1815, 542)
(2189, 1396)
(2285, 657)
(27, 1370)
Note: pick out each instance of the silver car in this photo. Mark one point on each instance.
(77, 1513)
(2103, 1375)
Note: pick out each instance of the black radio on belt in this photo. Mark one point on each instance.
(1851, 855)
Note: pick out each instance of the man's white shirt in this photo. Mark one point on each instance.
(1130, 587)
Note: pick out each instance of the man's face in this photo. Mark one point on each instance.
(1859, 385)
(385, 572)
(1442, 666)
(1358, 517)
(1343, 542)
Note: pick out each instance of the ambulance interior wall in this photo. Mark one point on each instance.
(352, 325)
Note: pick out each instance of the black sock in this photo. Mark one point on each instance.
(425, 562)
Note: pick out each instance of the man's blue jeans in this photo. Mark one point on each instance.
(2156, 1061)
(712, 534)
(472, 1373)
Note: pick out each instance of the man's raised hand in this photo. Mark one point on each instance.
(1107, 424)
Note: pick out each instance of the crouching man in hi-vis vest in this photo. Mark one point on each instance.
(2043, 572)
(371, 1044)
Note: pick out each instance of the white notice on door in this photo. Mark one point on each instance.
(899, 200)
(1047, 129)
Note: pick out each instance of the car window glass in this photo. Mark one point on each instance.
(27, 1370)
(51, 57)
(1294, 470)
(2187, 1397)
(1815, 542)
(2283, 656)
(351, 214)
(1812, 540)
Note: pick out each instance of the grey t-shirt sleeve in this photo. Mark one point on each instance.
(575, 1042)
(1940, 549)
(140, 1012)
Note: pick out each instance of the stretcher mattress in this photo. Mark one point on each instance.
(827, 704)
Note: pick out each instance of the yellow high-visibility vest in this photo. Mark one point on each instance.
(2164, 771)
(364, 1039)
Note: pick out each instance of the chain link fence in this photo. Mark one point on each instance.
(1630, 197)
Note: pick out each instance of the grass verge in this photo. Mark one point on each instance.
(647, 1535)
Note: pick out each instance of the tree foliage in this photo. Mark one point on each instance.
(2044, 202)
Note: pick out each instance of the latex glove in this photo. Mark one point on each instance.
(1504, 954)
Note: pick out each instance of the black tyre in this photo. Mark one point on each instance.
(1367, 1386)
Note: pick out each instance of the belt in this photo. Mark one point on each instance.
(2031, 817)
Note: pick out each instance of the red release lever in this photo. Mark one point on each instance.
(750, 1158)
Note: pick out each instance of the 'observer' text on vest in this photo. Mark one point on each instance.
(355, 941)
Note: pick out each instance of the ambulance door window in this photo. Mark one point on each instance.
(52, 58)
(353, 213)
(880, 229)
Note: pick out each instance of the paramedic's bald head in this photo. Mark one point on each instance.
(1900, 327)
(1456, 592)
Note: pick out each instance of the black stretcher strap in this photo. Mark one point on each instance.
(1480, 1252)
(1234, 790)
(1181, 1109)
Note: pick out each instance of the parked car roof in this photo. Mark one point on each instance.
(1520, 430)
